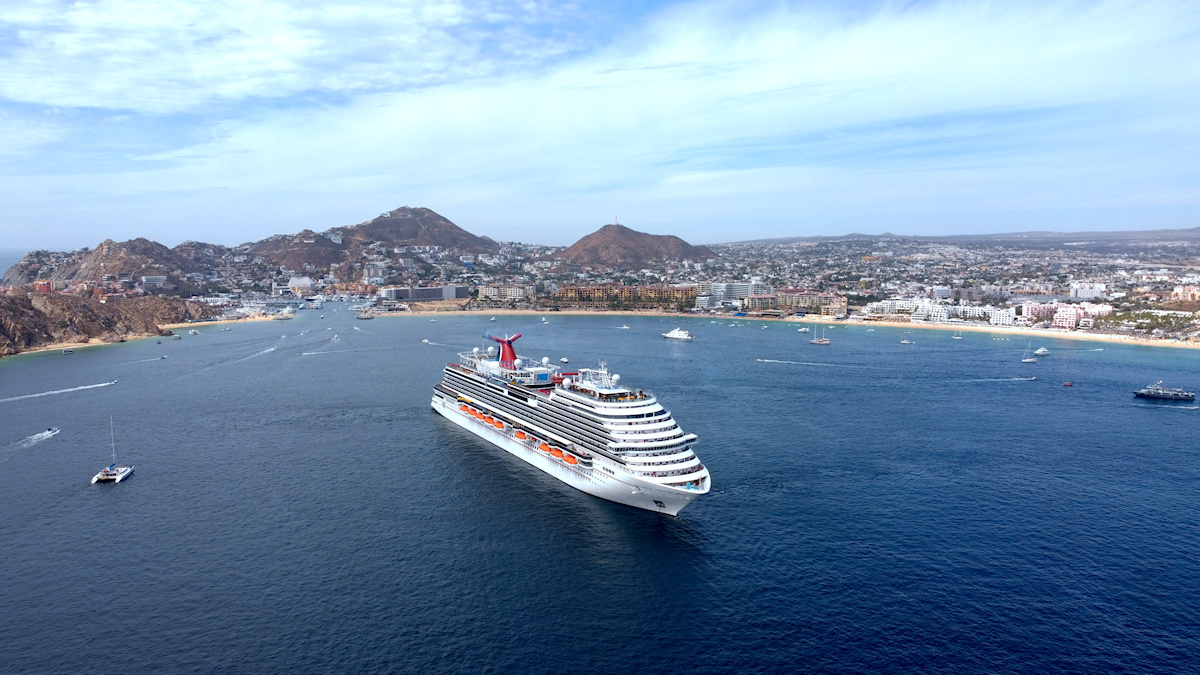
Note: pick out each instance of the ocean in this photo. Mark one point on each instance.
(877, 507)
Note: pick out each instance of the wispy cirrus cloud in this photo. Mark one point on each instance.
(167, 56)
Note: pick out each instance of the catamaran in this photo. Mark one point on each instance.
(114, 472)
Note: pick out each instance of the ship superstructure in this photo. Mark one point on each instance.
(584, 428)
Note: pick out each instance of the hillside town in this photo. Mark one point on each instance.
(410, 259)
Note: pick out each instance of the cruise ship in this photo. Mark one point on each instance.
(584, 428)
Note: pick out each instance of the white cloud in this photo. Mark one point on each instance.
(939, 116)
(162, 56)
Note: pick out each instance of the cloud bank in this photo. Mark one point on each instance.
(715, 121)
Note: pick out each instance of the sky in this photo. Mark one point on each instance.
(540, 122)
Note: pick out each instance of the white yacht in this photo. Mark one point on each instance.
(678, 334)
(113, 472)
(584, 428)
(1041, 351)
(805, 329)
(193, 332)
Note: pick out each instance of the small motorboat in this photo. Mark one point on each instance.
(1066, 384)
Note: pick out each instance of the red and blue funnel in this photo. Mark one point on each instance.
(508, 355)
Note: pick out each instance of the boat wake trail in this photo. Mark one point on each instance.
(343, 351)
(27, 442)
(265, 351)
(1169, 407)
(56, 391)
(800, 363)
(1002, 379)
(157, 358)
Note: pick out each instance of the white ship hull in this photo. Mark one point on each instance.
(622, 489)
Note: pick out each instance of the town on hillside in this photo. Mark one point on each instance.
(1139, 284)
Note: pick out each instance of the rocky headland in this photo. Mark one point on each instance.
(31, 320)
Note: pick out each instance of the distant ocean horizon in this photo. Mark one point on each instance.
(877, 507)
(10, 257)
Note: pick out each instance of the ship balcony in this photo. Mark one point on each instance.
(637, 462)
(696, 478)
(650, 445)
(686, 465)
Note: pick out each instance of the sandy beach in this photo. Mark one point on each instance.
(1032, 333)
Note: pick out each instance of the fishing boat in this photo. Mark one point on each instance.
(113, 472)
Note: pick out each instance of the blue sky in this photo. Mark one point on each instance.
(539, 122)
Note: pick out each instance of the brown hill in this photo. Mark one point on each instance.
(298, 250)
(619, 246)
(408, 226)
(34, 320)
(135, 257)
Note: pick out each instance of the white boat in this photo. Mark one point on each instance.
(1041, 351)
(906, 341)
(1026, 358)
(492, 319)
(226, 329)
(958, 335)
(68, 351)
(565, 360)
(623, 327)
(113, 472)
(586, 429)
(805, 329)
(821, 340)
(193, 332)
(678, 334)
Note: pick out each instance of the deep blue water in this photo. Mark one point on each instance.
(877, 507)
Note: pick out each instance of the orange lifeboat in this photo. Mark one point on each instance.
(569, 459)
(489, 419)
(521, 435)
(498, 424)
(556, 452)
(544, 448)
(463, 407)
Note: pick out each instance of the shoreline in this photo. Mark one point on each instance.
(97, 342)
(1032, 333)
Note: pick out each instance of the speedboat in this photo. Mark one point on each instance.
(678, 334)
(624, 327)
(193, 332)
(806, 329)
(565, 360)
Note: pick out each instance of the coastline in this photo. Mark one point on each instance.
(1032, 333)
(96, 342)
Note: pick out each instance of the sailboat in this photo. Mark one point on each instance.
(906, 341)
(958, 335)
(114, 473)
(1026, 358)
(821, 340)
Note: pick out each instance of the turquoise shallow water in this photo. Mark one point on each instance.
(877, 507)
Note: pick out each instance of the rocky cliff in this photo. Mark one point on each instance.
(33, 320)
